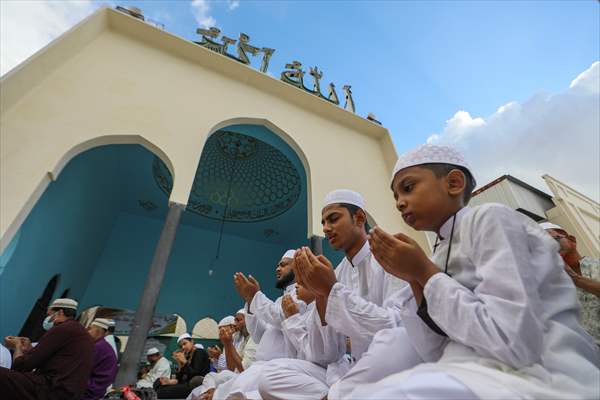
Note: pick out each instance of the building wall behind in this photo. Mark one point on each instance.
(64, 234)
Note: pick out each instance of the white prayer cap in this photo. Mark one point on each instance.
(228, 320)
(199, 346)
(344, 196)
(241, 311)
(184, 336)
(101, 323)
(152, 351)
(550, 225)
(431, 154)
(289, 254)
(64, 303)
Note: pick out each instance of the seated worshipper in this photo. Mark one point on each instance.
(240, 352)
(193, 365)
(585, 273)
(58, 367)
(159, 368)
(263, 321)
(494, 286)
(356, 300)
(104, 368)
(216, 355)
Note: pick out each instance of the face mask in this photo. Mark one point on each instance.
(48, 324)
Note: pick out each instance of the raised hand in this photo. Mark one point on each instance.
(246, 287)
(401, 256)
(314, 272)
(226, 335)
(289, 306)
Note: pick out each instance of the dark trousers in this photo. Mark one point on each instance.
(16, 385)
(179, 391)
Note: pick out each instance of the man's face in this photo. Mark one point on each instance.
(240, 322)
(96, 332)
(56, 316)
(340, 228)
(152, 359)
(284, 272)
(422, 198)
(567, 242)
(186, 345)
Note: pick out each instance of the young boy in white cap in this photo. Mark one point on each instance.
(58, 367)
(354, 300)
(159, 368)
(494, 286)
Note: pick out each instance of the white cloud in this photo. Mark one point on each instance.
(201, 10)
(28, 26)
(555, 134)
(233, 4)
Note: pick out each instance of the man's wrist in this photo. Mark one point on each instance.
(429, 269)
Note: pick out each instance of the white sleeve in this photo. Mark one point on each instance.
(249, 354)
(313, 342)
(267, 310)
(500, 317)
(428, 344)
(255, 326)
(354, 316)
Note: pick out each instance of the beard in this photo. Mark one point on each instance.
(285, 280)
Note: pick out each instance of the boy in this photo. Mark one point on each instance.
(494, 286)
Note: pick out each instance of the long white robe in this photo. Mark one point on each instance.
(161, 369)
(510, 312)
(305, 377)
(263, 321)
(362, 302)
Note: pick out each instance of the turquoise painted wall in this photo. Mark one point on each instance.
(65, 233)
(188, 289)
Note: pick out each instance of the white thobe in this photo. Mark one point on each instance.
(307, 376)
(161, 369)
(263, 321)
(510, 312)
(361, 303)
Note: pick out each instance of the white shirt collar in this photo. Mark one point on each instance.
(447, 226)
(362, 253)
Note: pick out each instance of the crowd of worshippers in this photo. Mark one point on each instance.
(504, 308)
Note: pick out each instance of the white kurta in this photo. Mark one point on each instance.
(510, 312)
(361, 303)
(162, 369)
(306, 376)
(263, 321)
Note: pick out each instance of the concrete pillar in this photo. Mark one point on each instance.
(145, 312)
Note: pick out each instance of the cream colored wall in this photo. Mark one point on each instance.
(131, 83)
(578, 214)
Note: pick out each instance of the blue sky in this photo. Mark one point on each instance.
(414, 64)
(423, 68)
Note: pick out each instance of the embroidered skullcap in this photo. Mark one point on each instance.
(550, 225)
(431, 154)
(344, 196)
(184, 336)
(64, 303)
(289, 254)
(228, 320)
(152, 351)
(241, 311)
(101, 323)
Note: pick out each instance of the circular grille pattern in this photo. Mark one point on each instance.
(241, 176)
